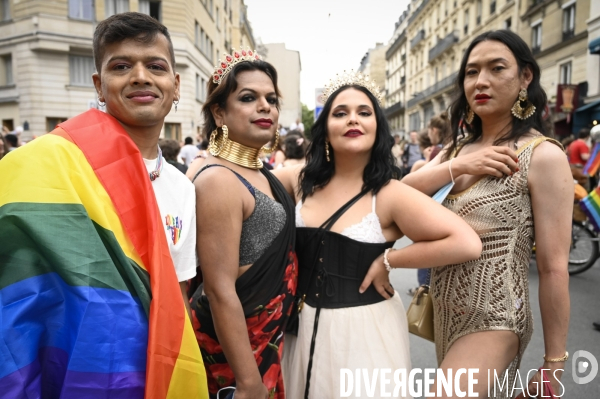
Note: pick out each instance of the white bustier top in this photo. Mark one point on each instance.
(367, 230)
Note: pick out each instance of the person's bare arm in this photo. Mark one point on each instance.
(440, 237)
(495, 161)
(551, 188)
(288, 177)
(220, 211)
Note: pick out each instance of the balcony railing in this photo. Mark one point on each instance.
(394, 108)
(443, 45)
(417, 39)
(438, 86)
(566, 35)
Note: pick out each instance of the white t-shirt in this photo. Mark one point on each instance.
(188, 153)
(176, 199)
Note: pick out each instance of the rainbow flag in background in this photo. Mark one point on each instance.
(593, 163)
(90, 306)
(591, 207)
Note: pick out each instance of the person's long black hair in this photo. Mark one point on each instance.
(535, 94)
(378, 172)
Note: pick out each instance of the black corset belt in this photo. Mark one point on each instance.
(340, 266)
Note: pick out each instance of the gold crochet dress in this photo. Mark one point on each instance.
(492, 292)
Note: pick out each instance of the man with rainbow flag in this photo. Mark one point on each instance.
(89, 296)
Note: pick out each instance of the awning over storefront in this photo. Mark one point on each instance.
(594, 46)
(585, 114)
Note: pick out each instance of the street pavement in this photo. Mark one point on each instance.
(585, 308)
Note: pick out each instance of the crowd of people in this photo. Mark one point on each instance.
(259, 266)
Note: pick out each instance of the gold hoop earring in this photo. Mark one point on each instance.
(215, 144)
(269, 150)
(469, 115)
(327, 151)
(523, 108)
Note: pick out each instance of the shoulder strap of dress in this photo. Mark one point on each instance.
(240, 177)
(537, 141)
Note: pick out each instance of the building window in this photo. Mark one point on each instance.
(81, 9)
(210, 7)
(197, 34)
(6, 71)
(466, 28)
(217, 18)
(152, 8)
(116, 7)
(173, 131)
(565, 74)
(536, 38)
(479, 10)
(568, 26)
(507, 23)
(52, 122)
(81, 69)
(5, 10)
(200, 88)
(493, 7)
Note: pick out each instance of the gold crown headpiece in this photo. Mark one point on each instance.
(232, 60)
(352, 78)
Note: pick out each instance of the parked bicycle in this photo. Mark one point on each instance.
(584, 247)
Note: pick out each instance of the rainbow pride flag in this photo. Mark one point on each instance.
(591, 207)
(593, 163)
(89, 300)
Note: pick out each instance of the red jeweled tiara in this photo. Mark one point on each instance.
(230, 61)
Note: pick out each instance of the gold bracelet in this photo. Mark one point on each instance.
(558, 359)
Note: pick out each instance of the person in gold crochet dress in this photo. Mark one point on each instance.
(512, 185)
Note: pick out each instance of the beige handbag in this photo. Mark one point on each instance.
(420, 314)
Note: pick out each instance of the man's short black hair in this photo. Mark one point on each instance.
(584, 133)
(12, 140)
(128, 25)
(188, 140)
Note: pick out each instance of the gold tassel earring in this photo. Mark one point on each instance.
(269, 150)
(327, 151)
(523, 108)
(469, 115)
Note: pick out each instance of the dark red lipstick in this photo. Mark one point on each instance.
(353, 133)
(264, 123)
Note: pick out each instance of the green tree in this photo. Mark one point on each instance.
(308, 119)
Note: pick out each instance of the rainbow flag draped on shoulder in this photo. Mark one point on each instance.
(90, 306)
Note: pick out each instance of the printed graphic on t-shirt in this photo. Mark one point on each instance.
(174, 225)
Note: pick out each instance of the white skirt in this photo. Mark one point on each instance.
(362, 337)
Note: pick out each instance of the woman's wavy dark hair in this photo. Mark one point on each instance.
(218, 94)
(535, 94)
(378, 172)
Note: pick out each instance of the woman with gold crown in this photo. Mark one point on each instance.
(350, 210)
(245, 236)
